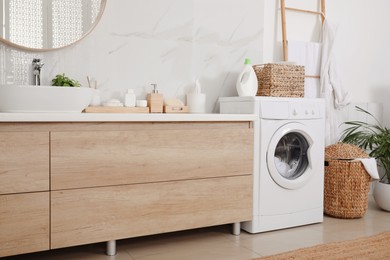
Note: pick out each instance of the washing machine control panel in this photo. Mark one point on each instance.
(274, 107)
(305, 110)
(291, 109)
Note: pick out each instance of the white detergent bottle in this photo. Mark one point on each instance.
(247, 81)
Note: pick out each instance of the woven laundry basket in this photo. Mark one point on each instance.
(346, 181)
(280, 80)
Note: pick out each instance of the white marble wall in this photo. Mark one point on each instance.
(169, 42)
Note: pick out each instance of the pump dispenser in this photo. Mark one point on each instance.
(155, 100)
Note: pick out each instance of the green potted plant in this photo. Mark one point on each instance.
(64, 81)
(375, 139)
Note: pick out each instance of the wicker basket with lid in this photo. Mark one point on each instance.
(280, 80)
(346, 181)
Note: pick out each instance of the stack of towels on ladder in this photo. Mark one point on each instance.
(307, 54)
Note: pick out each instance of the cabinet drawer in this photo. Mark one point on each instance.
(92, 159)
(24, 223)
(91, 215)
(24, 162)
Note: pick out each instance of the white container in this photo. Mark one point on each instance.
(130, 98)
(196, 103)
(96, 98)
(142, 103)
(247, 83)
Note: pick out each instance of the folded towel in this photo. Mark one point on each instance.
(312, 88)
(370, 166)
(307, 54)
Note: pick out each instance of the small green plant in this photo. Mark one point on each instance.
(374, 138)
(62, 80)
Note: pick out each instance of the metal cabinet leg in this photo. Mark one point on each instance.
(236, 228)
(111, 248)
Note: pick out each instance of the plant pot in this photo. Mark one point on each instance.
(382, 195)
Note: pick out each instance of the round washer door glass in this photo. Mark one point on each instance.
(291, 156)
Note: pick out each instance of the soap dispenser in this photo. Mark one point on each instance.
(155, 101)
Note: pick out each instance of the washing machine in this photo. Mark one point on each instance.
(289, 160)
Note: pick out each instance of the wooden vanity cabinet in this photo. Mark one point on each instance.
(24, 223)
(24, 162)
(24, 192)
(154, 153)
(141, 179)
(83, 216)
(111, 181)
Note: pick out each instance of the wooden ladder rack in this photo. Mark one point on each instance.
(283, 9)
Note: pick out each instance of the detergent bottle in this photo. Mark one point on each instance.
(247, 81)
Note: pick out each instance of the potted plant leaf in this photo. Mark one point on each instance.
(64, 81)
(375, 139)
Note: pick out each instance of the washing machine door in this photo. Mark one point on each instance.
(289, 156)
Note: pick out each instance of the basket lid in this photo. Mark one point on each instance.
(344, 151)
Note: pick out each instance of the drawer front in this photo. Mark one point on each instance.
(100, 214)
(101, 158)
(24, 162)
(24, 223)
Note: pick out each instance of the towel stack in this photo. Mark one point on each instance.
(307, 54)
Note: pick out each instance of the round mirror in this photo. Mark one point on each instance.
(42, 25)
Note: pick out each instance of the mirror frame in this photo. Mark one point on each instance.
(24, 48)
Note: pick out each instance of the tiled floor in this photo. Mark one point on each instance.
(217, 242)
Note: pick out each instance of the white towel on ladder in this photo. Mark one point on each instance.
(307, 54)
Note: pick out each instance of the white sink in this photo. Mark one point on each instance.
(44, 99)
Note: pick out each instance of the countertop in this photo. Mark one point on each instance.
(122, 117)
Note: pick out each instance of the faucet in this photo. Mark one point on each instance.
(37, 66)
